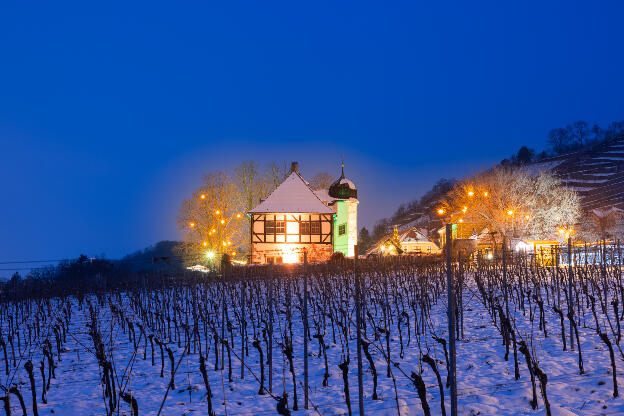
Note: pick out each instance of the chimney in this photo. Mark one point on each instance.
(294, 167)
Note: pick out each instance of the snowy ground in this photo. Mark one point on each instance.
(486, 382)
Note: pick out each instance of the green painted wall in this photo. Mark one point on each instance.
(341, 242)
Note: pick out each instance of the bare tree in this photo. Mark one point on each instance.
(601, 224)
(559, 140)
(321, 180)
(275, 174)
(212, 220)
(579, 132)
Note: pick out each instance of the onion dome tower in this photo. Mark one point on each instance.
(344, 193)
(342, 188)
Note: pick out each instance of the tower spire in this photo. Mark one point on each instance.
(342, 166)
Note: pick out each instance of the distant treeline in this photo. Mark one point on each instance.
(87, 274)
(573, 137)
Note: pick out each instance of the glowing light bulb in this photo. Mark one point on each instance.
(470, 193)
(526, 217)
(192, 224)
(203, 196)
(222, 221)
(440, 211)
(214, 231)
(485, 194)
(217, 212)
(205, 243)
(233, 253)
(237, 215)
(510, 212)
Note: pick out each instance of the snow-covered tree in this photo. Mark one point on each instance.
(513, 203)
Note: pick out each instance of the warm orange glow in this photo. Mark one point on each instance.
(233, 253)
(485, 194)
(224, 244)
(214, 231)
(526, 217)
(192, 225)
(289, 255)
(237, 215)
(461, 220)
(510, 212)
(464, 209)
(217, 212)
(222, 221)
(441, 211)
(229, 242)
(203, 196)
(205, 243)
(470, 193)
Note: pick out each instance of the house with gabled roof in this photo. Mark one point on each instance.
(294, 219)
(407, 241)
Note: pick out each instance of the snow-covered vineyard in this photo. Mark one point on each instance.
(162, 350)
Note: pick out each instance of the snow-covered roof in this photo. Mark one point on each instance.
(348, 182)
(292, 196)
(323, 195)
(601, 213)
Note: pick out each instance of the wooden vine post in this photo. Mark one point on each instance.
(451, 319)
(305, 330)
(570, 298)
(358, 324)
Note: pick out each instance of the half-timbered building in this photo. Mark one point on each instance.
(294, 219)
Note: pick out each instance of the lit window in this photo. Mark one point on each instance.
(279, 227)
(342, 229)
(269, 227)
(315, 227)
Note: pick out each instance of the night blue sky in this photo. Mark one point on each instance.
(110, 113)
